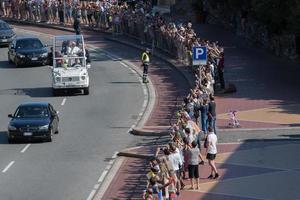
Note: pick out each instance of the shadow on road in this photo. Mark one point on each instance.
(32, 92)
(6, 65)
(3, 137)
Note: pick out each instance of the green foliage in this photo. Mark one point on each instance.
(278, 15)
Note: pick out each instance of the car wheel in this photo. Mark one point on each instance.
(50, 137)
(16, 63)
(86, 91)
(57, 130)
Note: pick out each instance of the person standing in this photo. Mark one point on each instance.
(221, 70)
(193, 168)
(76, 25)
(212, 113)
(204, 115)
(146, 62)
(211, 153)
(61, 12)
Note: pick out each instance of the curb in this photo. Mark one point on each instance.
(134, 155)
(143, 132)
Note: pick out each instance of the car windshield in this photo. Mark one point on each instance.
(29, 44)
(4, 26)
(32, 112)
(68, 51)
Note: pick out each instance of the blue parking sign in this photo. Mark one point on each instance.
(199, 55)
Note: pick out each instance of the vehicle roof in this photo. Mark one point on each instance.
(1, 21)
(41, 103)
(68, 37)
(26, 37)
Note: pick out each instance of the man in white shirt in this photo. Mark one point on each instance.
(73, 49)
(211, 152)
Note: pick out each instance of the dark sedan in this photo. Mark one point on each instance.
(25, 51)
(35, 120)
(6, 33)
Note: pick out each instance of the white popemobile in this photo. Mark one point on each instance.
(70, 68)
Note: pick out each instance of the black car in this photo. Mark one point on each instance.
(27, 51)
(34, 120)
(6, 33)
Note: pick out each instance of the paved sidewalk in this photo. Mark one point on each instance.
(267, 86)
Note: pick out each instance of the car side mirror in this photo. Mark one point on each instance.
(10, 116)
(46, 45)
(88, 66)
(12, 47)
(51, 67)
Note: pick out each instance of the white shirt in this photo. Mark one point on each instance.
(73, 50)
(212, 143)
(175, 160)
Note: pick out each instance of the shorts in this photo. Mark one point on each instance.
(193, 171)
(210, 156)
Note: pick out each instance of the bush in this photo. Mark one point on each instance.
(279, 16)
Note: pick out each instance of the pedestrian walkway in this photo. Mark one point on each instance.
(267, 87)
(250, 170)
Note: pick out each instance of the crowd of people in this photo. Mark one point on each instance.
(193, 135)
(195, 127)
(133, 19)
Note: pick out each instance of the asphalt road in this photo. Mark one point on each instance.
(92, 129)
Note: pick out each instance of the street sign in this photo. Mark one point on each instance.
(199, 55)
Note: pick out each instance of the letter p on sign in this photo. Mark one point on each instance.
(199, 55)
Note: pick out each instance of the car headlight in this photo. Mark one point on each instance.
(83, 78)
(57, 79)
(45, 127)
(44, 55)
(20, 55)
(11, 128)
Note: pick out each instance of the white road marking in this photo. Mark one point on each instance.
(8, 166)
(101, 178)
(115, 155)
(92, 194)
(25, 148)
(63, 101)
(96, 186)
(145, 103)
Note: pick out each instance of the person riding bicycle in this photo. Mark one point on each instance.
(146, 62)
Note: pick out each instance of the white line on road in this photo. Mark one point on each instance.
(115, 155)
(64, 101)
(92, 194)
(101, 178)
(25, 148)
(8, 166)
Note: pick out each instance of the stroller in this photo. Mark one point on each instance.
(233, 121)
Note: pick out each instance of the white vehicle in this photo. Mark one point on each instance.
(70, 69)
